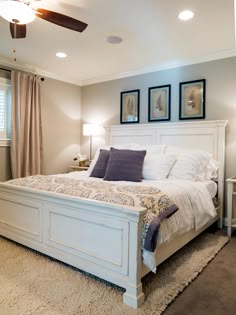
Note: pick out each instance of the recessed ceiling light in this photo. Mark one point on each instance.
(113, 39)
(186, 15)
(61, 55)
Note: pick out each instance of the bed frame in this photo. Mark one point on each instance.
(104, 239)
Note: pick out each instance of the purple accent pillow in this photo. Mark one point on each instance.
(125, 165)
(100, 167)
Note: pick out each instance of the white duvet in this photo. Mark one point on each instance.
(194, 200)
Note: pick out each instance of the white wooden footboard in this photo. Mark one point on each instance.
(104, 240)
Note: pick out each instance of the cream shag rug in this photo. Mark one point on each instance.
(31, 283)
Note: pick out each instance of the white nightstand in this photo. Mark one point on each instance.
(231, 192)
(75, 168)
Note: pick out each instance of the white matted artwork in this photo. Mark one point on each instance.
(129, 107)
(192, 99)
(159, 98)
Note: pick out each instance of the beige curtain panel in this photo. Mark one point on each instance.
(26, 125)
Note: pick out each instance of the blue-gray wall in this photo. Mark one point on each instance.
(101, 102)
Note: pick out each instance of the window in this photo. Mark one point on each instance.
(5, 101)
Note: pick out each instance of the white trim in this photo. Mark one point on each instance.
(160, 67)
(34, 70)
(5, 142)
(115, 76)
(235, 23)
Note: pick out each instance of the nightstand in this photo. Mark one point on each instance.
(231, 192)
(75, 168)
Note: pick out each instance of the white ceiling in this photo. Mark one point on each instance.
(153, 38)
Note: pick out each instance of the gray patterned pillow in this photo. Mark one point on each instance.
(100, 167)
(125, 165)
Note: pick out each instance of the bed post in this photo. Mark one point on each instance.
(134, 296)
(221, 175)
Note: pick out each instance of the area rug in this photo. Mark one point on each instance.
(31, 283)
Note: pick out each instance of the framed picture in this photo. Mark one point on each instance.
(192, 99)
(159, 103)
(129, 107)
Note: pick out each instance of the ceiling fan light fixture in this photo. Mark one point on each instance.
(186, 15)
(16, 12)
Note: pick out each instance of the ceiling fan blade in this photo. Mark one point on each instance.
(18, 30)
(61, 20)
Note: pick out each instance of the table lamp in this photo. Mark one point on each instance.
(88, 130)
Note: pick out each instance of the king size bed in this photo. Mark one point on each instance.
(104, 238)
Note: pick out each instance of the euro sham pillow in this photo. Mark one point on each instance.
(150, 148)
(157, 166)
(189, 164)
(210, 171)
(100, 167)
(125, 165)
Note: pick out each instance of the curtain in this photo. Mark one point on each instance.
(26, 125)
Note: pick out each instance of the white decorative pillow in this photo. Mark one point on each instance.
(210, 171)
(189, 165)
(157, 166)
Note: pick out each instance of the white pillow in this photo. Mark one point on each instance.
(189, 164)
(150, 148)
(157, 166)
(210, 171)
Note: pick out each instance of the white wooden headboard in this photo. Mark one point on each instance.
(200, 135)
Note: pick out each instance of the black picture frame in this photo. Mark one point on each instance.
(129, 106)
(192, 95)
(159, 103)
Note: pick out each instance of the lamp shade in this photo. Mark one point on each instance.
(87, 129)
(91, 130)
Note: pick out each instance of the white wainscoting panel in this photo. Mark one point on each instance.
(23, 217)
(86, 234)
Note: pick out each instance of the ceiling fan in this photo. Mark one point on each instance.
(19, 13)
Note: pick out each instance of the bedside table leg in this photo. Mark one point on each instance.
(229, 208)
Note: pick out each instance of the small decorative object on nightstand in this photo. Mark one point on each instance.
(231, 192)
(81, 160)
(75, 168)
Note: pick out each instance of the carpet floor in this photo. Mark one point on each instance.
(214, 291)
(31, 283)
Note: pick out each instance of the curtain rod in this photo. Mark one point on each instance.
(5, 69)
(42, 79)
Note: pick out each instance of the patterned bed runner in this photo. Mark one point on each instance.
(159, 206)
